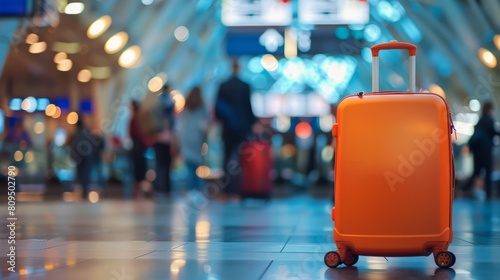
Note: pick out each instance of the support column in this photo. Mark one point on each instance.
(74, 97)
(99, 102)
(8, 27)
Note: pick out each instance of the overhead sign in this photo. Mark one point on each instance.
(256, 12)
(255, 42)
(16, 8)
(334, 11)
(271, 41)
(294, 105)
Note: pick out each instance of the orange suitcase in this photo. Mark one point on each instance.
(394, 173)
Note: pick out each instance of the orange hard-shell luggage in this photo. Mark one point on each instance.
(394, 173)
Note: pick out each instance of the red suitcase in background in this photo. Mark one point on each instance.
(394, 175)
(256, 160)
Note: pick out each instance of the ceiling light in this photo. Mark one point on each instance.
(129, 57)
(39, 47)
(496, 41)
(147, 2)
(84, 76)
(155, 84)
(116, 42)
(74, 8)
(60, 56)
(487, 58)
(65, 65)
(98, 27)
(31, 38)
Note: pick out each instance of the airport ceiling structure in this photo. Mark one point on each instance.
(185, 43)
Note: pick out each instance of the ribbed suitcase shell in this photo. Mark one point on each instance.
(393, 174)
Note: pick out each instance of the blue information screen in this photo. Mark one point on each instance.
(16, 8)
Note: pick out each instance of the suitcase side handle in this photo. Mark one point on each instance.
(394, 45)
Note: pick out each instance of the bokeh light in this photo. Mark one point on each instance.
(72, 118)
(203, 171)
(303, 130)
(99, 27)
(84, 76)
(50, 110)
(57, 113)
(269, 62)
(475, 105)
(129, 57)
(116, 42)
(487, 58)
(93, 197)
(60, 56)
(39, 127)
(181, 33)
(31, 38)
(18, 156)
(29, 157)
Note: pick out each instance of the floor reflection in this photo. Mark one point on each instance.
(285, 239)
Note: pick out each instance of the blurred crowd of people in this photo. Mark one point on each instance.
(155, 125)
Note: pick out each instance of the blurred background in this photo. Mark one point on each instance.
(63, 61)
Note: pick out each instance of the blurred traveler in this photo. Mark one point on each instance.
(481, 146)
(18, 137)
(140, 143)
(192, 128)
(157, 121)
(234, 110)
(86, 149)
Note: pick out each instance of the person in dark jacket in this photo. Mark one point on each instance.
(481, 146)
(234, 110)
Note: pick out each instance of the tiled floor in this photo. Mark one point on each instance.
(285, 239)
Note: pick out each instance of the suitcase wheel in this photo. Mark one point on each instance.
(351, 259)
(445, 259)
(332, 259)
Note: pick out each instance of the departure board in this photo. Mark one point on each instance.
(334, 11)
(256, 12)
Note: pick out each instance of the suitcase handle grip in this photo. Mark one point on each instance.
(394, 45)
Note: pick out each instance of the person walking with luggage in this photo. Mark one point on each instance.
(481, 146)
(234, 110)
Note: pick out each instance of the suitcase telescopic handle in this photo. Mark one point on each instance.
(394, 45)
